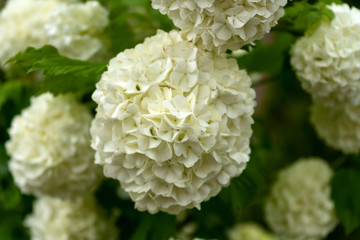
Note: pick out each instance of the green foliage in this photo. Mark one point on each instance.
(346, 195)
(10, 91)
(131, 22)
(303, 16)
(267, 58)
(62, 74)
(244, 188)
(155, 227)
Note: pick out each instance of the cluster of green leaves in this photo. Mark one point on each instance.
(282, 132)
(302, 16)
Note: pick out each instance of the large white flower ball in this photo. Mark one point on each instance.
(50, 148)
(222, 24)
(338, 126)
(327, 62)
(173, 122)
(299, 206)
(21, 25)
(78, 219)
(73, 27)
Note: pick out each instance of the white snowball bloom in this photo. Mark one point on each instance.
(249, 231)
(75, 29)
(21, 25)
(50, 148)
(79, 219)
(222, 24)
(327, 62)
(299, 206)
(70, 26)
(338, 126)
(173, 123)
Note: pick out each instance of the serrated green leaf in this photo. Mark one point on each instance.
(346, 196)
(57, 65)
(62, 74)
(25, 59)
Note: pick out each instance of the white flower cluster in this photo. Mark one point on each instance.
(222, 24)
(249, 231)
(75, 29)
(21, 25)
(173, 122)
(338, 126)
(79, 219)
(70, 26)
(50, 148)
(299, 206)
(327, 62)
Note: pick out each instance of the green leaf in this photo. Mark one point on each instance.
(244, 188)
(10, 91)
(346, 195)
(301, 17)
(267, 58)
(155, 227)
(62, 74)
(10, 197)
(3, 162)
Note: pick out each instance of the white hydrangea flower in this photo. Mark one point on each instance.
(327, 62)
(338, 126)
(249, 231)
(50, 148)
(299, 206)
(78, 219)
(173, 123)
(222, 24)
(21, 25)
(75, 29)
(70, 26)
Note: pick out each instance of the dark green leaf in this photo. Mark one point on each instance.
(267, 58)
(10, 91)
(3, 162)
(155, 227)
(346, 195)
(62, 74)
(303, 16)
(10, 197)
(244, 188)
